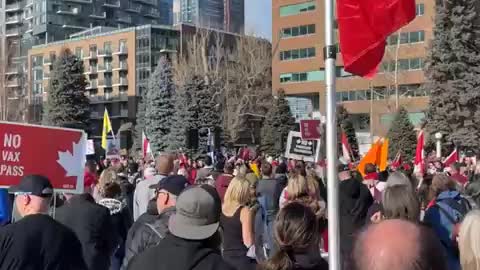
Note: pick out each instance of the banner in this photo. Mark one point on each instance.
(57, 153)
(299, 149)
(90, 148)
(113, 149)
(310, 129)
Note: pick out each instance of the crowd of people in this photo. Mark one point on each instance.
(231, 213)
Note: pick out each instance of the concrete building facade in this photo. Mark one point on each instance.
(117, 67)
(26, 23)
(298, 67)
(227, 15)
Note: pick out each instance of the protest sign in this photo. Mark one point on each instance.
(57, 153)
(113, 149)
(310, 129)
(90, 148)
(297, 148)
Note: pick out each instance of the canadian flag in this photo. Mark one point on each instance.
(346, 150)
(397, 162)
(420, 153)
(452, 158)
(146, 149)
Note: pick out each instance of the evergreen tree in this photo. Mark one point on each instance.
(208, 114)
(140, 122)
(345, 124)
(276, 126)
(159, 108)
(402, 136)
(186, 113)
(67, 102)
(453, 75)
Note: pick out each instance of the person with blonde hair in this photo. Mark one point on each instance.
(305, 190)
(109, 175)
(237, 222)
(469, 241)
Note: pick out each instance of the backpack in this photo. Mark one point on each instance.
(454, 211)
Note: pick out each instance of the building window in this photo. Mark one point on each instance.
(404, 91)
(301, 30)
(406, 38)
(415, 118)
(107, 47)
(297, 54)
(297, 9)
(79, 52)
(309, 76)
(403, 65)
(420, 9)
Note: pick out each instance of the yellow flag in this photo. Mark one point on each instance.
(255, 169)
(107, 127)
(370, 157)
(382, 161)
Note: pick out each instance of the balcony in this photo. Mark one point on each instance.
(16, 19)
(46, 76)
(125, 19)
(132, 7)
(105, 68)
(12, 83)
(105, 53)
(122, 67)
(148, 2)
(79, 1)
(112, 3)
(122, 82)
(73, 11)
(91, 70)
(12, 71)
(48, 61)
(152, 13)
(91, 56)
(106, 83)
(13, 7)
(102, 16)
(12, 32)
(92, 85)
(123, 50)
(124, 113)
(28, 3)
(108, 98)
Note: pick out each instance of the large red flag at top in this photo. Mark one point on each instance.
(452, 158)
(364, 26)
(420, 154)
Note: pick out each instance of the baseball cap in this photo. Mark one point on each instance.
(197, 214)
(36, 185)
(174, 184)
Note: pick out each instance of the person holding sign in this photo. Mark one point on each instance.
(37, 241)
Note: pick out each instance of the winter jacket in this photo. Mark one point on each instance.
(38, 242)
(121, 221)
(5, 208)
(443, 227)
(354, 201)
(180, 254)
(281, 183)
(92, 225)
(147, 235)
(143, 194)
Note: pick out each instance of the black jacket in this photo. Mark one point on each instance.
(179, 254)
(354, 200)
(147, 235)
(38, 242)
(93, 226)
(282, 181)
(309, 262)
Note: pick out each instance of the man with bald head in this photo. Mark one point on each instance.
(143, 193)
(398, 245)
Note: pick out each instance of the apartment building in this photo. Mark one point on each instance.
(117, 66)
(227, 15)
(26, 23)
(298, 68)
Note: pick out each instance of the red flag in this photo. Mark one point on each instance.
(397, 162)
(420, 154)
(346, 150)
(364, 26)
(146, 149)
(452, 158)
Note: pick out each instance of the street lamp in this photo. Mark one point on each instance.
(439, 136)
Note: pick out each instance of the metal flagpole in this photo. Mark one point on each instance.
(330, 54)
